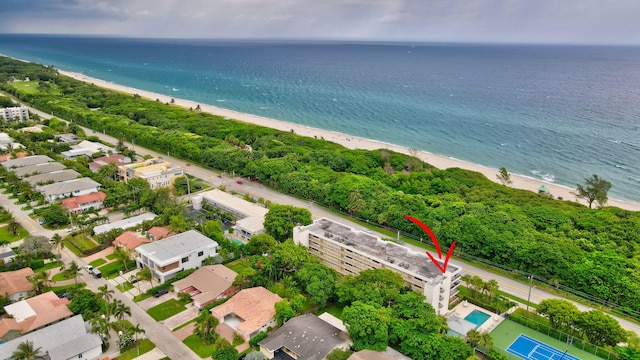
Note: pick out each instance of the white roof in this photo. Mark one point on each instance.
(125, 223)
(176, 245)
(239, 205)
(87, 148)
(20, 310)
(62, 340)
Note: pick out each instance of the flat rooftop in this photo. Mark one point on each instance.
(384, 251)
(239, 205)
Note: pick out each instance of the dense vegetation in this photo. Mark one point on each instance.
(593, 251)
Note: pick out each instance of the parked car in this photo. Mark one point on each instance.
(239, 182)
(89, 268)
(160, 292)
(41, 221)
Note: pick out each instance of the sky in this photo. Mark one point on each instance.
(501, 21)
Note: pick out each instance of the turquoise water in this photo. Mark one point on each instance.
(554, 113)
(477, 317)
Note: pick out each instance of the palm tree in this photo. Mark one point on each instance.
(205, 328)
(14, 226)
(40, 281)
(138, 330)
(146, 275)
(25, 351)
(56, 241)
(473, 337)
(73, 269)
(491, 287)
(105, 294)
(122, 254)
(486, 340)
(100, 325)
(119, 310)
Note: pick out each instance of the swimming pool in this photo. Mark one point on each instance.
(477, 317)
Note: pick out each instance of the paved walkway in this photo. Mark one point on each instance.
(181, 318)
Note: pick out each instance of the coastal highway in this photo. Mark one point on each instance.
(257, 190)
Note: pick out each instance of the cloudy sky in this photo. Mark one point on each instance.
(520, 21)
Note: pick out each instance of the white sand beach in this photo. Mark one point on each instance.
(353, 142)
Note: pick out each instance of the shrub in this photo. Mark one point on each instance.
(256, 339)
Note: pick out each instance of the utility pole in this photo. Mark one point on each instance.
(530, 287)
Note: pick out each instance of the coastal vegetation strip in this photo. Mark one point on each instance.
(592, 251)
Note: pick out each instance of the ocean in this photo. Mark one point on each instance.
(553, 113)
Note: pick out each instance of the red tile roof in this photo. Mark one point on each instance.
(13, 282)
(159, 232)
(75, 202)
(130, 240)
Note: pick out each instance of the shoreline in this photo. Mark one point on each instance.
(354, 142)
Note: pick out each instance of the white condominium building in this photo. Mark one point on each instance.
(19, 113)
(350, 251)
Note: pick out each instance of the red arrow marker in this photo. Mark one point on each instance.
(426, 229)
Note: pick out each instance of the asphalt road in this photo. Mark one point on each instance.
(257, 190)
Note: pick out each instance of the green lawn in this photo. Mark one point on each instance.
(278, 289)
(63, 288)
(6, 235)
(49, 266)
(61, 276)
(240, 266)
(29, 87)
(141, 297)
(111, 256)
(114, 267)
(82, 242)
(145, 346)
(167, 309)
(506, 333)
(124, 287)
(194, 343)
(98, 262)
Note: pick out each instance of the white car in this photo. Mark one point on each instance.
(89, 268)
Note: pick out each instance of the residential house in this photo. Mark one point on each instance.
(82, 203)
(117, 159)
(129, 240)
(124, 224)
(6, 253)
(16, 284)
(68, 138)
(52, 177)
(32, 314)
(168, 256)
(249, 312)
(208, 284)
(156, 172)
(41, 168)
(63, 189)
(158, 232)
(87, 148)
(15, 113)
(26, 161)
(67, 339)
(7, 144)
(305, 337)
(350, 251)
(250, 216)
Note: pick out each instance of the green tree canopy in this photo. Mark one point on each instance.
(281, 219)
(368, 325)
(561, 313)
(594, 189)
(317, 280)
(379, 286)
(600, 328)
(261, 244)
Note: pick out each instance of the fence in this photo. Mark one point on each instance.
(564, 337)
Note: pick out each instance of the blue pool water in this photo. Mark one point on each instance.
(477, 317)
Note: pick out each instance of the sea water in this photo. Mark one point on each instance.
(555, 113)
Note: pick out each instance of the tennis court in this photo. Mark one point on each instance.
(532, 349)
